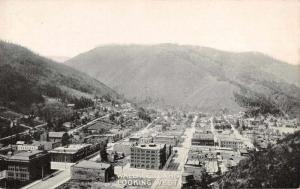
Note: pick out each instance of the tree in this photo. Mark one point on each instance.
(112, 117)
(36, 135)
(205, 180)
(65, 139)
(142, 114)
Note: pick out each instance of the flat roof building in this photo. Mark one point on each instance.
(230, 141)
(166, 139)
(92, 171)
(148, 156)
(203, 139)
(56, 136)
(30, 165)
(73, 153)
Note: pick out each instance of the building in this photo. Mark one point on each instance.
(73, 153)
(30, 165)
(47, 145)
(123, 147)
(70, 105)
(3, 167)
(146, 140)
(166, 139)
(134, 139)
(122, 133)
(92, 139)
(187, 180)
(203, 139)
(56, 136)
(27, 147)
(194, 169)
(111, 137)
(148, 156)
(202, 156)
(92, 171)
(230, 142)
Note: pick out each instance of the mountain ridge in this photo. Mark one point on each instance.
(187, 76)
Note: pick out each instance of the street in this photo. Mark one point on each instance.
(163, 178)
(52, 182)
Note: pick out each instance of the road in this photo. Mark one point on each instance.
(88, 124)
(184, 150)
(146, 129)
(24, 132)
(52, 182)
(238, 135)
(163, 178)
(14, 135)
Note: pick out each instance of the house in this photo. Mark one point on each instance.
(71, 105)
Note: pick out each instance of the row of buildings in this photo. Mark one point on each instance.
(222, 140)
(27, 165)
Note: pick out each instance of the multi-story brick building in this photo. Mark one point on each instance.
(148, 156)
(28, 165)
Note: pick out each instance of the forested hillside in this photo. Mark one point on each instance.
(194, 77)
(27, 78)
(276, 167)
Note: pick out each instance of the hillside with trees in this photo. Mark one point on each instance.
(27, 79)
(194, 77)
(277, 166)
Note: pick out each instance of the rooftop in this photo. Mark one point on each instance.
(71, 149)
(228, 138)
(56, 134)
(203, 136)
(35, 142)
(150, 146)
(92, 165)
(20, 142)
(26, 155)
(165, 136)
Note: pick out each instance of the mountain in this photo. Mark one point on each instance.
(276, 167)
(194, 77)
(59, 59)
(27, 78)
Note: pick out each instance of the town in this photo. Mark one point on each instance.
(108, 144)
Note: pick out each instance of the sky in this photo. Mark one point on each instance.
(70, 27)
